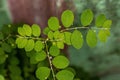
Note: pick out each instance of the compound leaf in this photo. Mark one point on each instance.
(64, 75)
(42, 73)
(86, 17)
(91, 38)
(53, 23)
(77, 39)
(36, 30)
(67, 18)
(60, 62)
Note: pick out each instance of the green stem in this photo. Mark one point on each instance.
(49, 59)
(76, 28)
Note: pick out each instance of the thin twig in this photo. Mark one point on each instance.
(49, 59)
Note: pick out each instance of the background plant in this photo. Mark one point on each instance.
(43, 49)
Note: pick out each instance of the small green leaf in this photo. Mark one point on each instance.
(38, 46)
(54, 51)
(56, 34)
(86, 17)
(53, 23)
(46, 30)
(27, 29)
(107, 24)
(77, 39)
(103, 35)
(6, 47)
(50, 35)
(60, 62)
(21, 42)
(67, 38)
(30, 45)
(3, 58)
(21, 31)
(91, 38)
(36, 30)
(60, 45)
(100, 20)
(2, 77)
(64, 75)
(67, 18)
(40, 56)
(42, 73)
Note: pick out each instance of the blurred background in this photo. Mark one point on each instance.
(102, 61)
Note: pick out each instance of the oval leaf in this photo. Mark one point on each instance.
(100, 20)
(67, 36)
(40, 56)
(6, 47)
(21, 42)
(28, 30)
(38, 46)
(86, 17)
(60, 62)
(64, 75)
(50, 35)
(102, 35)
(54, 51)
(107, 24)
(77, 39)
(30, 45)
(36, 30)
(42, 73)
(21, 31)
(67, 18)
(91, 38)
(53, 23)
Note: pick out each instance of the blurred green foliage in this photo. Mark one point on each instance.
(105, 56)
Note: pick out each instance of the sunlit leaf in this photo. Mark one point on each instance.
(67, 38)
(103, 35)
(91, 38)
(107, 24)
(42, 73)
(30, 45)
(40, 56)
(54, 51)
(64, 75)
(86, 17)
(46, 30)
(21, 31)
(77, 39)
(100, 20)
(67, 18)
(50, 35)
(60, 45)
(53, 23)
(36, 30)
(21, 42)
(38, 46)
(27, 29)
(60, 62)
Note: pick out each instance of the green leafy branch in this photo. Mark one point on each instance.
(41, 49)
